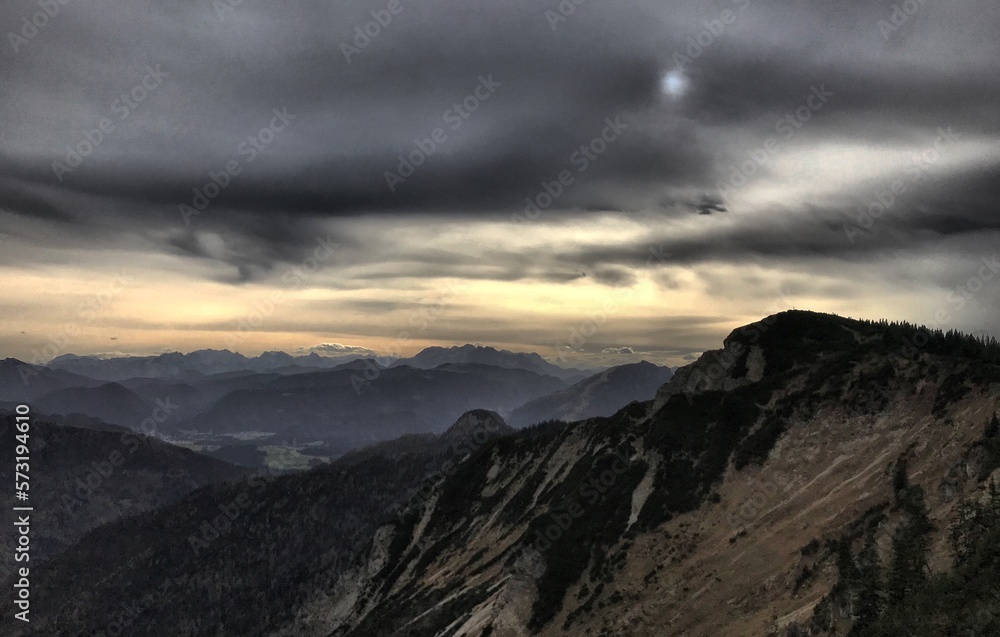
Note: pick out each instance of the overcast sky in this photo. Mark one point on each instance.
(252, 175)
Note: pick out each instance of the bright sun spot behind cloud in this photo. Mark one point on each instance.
(674, 84)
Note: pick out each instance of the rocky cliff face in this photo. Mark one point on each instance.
(717, 508)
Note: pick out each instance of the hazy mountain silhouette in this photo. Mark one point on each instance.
(193, 365)
(433, 357)
(348, 408)
(22, 382)
(602, 394)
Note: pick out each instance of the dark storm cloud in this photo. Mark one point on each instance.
(710, 204)
(549, 88)
(351, 120)
(378, 306)
(857, 227)
(868, 95)
(615, 277)
(22, 198)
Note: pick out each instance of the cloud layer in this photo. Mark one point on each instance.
(357, 161)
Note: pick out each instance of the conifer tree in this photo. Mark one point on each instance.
(871, 594)
(910, 545)
(900, 479)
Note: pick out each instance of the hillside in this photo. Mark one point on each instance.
(719, 508)
(243, 555)
(110, 402)
(83, 478)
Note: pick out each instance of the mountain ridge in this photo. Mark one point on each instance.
(195, 364)
(543, 546)
(602, 394)
(742, 499)
(435, 356)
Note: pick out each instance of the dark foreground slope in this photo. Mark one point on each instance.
(739, 502)
(238, 558)
(80, 479)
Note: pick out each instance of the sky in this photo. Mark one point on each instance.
(598, 182)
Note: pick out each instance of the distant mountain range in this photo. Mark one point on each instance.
(208, 362)
(192, 366)
(602, 394)
(347, 409)
(433, 357)
(244, 408)
(814, 477)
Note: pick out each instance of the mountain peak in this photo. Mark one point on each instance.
(435, 356)
(793, 327)
(471, 423)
